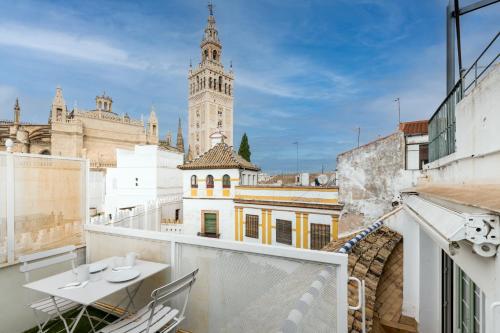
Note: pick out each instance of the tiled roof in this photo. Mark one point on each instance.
(367, 259)
(419, 127)
(221, 156)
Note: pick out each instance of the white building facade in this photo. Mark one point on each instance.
(221, 199)
(451, 222)
(145, 174)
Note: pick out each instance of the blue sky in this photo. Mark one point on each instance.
(306, 71)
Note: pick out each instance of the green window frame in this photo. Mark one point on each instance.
(226, 181)
(469, 303)
(210, 223)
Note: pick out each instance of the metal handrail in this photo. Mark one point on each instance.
(442, 142)
(482, 53)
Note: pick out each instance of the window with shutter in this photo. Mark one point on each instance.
(210, 223)
(320, 236)
(284, 231)
(252, 226)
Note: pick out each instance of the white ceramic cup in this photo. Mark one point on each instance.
(130, 258)
(83, 273)
(118, 262)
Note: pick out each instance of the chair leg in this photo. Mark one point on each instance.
(60, 314)
(38, 322)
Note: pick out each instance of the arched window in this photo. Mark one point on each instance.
(210, 82)
(229, 90)
(215, 54)
(206, 54)
(194, 181)
(225, 88)
(215, 84)
(210, 181)
(220, 83)
(226, 181)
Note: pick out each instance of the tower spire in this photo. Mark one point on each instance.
(210, 44)
(17, 112)
(180, 139)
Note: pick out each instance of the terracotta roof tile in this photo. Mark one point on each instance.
(414, 127)
(367, 261)
(221, 156)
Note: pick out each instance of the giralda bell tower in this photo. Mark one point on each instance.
(210, 94)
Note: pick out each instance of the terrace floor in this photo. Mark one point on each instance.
(56, 325)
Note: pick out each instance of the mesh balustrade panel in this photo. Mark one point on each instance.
(246, 292)
(3, 210)
(49, 203)
(142, 220)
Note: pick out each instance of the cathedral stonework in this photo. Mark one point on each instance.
(92, 134)
(211, 90)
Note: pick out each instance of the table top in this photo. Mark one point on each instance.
(97, 288)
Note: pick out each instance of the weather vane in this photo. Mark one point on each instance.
(211, 8)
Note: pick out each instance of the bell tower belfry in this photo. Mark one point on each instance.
(211, 89)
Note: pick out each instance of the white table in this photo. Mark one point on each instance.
(97, 288)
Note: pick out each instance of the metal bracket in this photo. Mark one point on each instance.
(482, 228)
(483, 231)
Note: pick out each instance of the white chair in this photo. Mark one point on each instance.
(157, 316)
(51, 306)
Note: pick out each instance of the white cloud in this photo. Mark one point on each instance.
(65, 44)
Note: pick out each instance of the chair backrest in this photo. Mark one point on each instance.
(167, 292)
(35, 261)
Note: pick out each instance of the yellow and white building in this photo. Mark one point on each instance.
(221, 199)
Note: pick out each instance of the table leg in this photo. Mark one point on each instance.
(131, 297)
(125, 313)
(90, 320)
(77, 319)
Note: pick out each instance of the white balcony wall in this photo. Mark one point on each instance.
(43, 205)
(240, 287)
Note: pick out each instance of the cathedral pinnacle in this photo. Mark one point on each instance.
(17, 112)
(180, 139)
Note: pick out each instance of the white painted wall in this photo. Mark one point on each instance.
(97, 189)
(430, 292)
(403, 223)
(144, 174)
(477, 154)
(202, 174)
(192, 209)
(422, 273)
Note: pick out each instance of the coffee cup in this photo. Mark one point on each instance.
(83, 273)
(130, 258)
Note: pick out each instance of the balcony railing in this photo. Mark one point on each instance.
(155, 215)
(240, 287)
(442, 123)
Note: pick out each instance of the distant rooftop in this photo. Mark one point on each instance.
(419, 127)
(221, 156)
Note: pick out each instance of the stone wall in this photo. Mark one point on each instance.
(369, 177)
